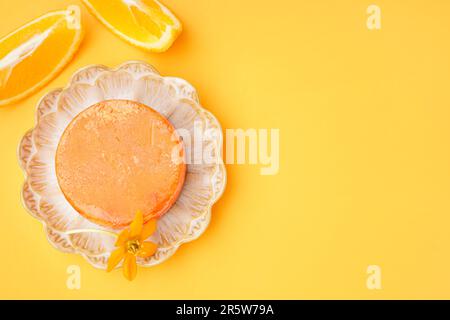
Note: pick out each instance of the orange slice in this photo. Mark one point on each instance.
(33, 55)
(146, 24)
(118, 157)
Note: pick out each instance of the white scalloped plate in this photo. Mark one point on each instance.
(174, 98)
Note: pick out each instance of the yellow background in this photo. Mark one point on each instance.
(365, 153)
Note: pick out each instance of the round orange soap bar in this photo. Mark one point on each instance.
(118, 157)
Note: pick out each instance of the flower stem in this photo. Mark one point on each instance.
(75, 231)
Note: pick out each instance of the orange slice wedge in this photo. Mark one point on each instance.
(33, 55)
(146, 24)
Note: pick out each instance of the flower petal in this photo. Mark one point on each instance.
(136, 225)
(114, 259)
(147, 249)
(130, 267)
(122, 238)
(148, 229)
